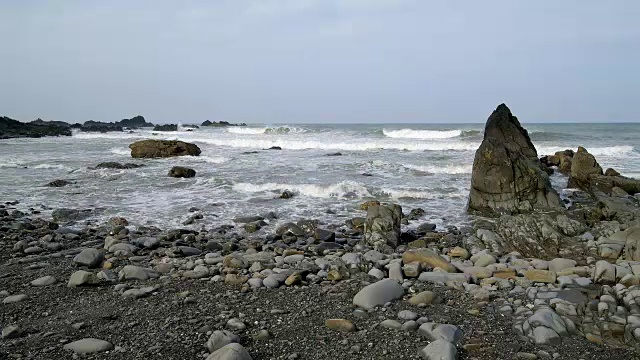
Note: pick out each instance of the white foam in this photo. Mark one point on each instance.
(245, 130)
(120, 151)
(108, 135)
(341, 189)
(264, 130)
(596, 151)
(9, 164)
(449, 169)
(49, 166)
(422, 134)
(354, 145)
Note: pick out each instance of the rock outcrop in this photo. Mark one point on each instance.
(10, 128)
(507, 175)
(583, 166)
(382, 227)
(134, 123)
(220, 123)
(162, 148)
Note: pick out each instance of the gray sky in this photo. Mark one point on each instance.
(294, 61)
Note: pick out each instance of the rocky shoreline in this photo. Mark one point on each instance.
(537, 276)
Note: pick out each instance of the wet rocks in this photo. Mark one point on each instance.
(163, 148)
(382, 226)
(181, 172)
(507, 175)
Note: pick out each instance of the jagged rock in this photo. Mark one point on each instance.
(582, 167)
(162, 148)
(382, 226)
(181, 172)
(507, 175)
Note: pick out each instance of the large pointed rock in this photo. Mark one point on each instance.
(507, 175)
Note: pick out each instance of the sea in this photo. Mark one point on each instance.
(425, 166)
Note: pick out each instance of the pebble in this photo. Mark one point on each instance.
(340, 325)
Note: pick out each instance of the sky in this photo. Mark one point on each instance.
(320, 61)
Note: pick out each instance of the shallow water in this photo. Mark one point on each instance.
(427, 166)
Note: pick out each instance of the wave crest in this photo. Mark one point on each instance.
(421, 134)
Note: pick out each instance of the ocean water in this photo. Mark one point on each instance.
(415, 165)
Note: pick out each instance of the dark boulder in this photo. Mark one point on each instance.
(507, 175)
(166, 127)
(287, 194)
(117, 165)
(181, 172)
(220, 123)
(162, 148)
(274, 148)
(10, 128)
(59, 183)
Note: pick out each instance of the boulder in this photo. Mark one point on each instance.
(221, 338)
(429, 258)
(382, 226)
(507, 175)
(181, 172)
(59, 183)
(233, 351)
(88, 346)
(162, 148)
(439, 350)
(378, 294)
(582, 167)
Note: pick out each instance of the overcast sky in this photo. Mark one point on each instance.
(295, 61)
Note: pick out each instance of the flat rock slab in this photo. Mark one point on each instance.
(378, 293)
(88, 346)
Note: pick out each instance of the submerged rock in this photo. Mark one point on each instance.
(507, 175)
(181, 172)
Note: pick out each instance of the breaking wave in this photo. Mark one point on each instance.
(421, 134)
(449, 169)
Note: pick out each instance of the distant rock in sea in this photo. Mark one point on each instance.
(10, 128)
(166, 127)
(98, 126)
(220, 123)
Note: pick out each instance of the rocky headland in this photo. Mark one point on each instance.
(537, 276)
